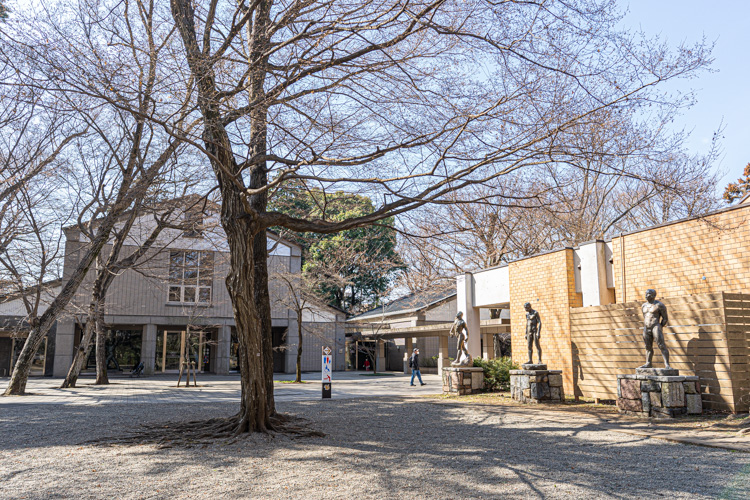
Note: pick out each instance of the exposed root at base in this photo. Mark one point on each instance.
(205, 432)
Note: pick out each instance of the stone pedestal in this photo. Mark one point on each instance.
(535, 384)
(461, 380)
(651, 393)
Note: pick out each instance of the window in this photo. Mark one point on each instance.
(190, 276)
(194, 223)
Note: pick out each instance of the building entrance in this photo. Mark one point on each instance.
(123, 348)
(8, 359)
(172, 347)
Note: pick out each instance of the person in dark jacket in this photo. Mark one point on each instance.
(414, 363)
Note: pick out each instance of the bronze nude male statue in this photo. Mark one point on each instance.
(533, 332)
(459, 329)
(654, 320)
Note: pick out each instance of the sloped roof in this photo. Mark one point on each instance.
(413, 302)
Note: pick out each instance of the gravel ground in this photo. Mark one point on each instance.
(381, 448)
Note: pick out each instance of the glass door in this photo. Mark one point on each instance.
(168, 347)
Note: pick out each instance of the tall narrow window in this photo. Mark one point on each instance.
(190, 276)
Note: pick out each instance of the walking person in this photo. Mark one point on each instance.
(414, 364)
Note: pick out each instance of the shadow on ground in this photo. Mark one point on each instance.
(387, 448)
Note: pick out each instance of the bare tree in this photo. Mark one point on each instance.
(118, 95)
(106, 273)
(406, 103)
(363, 96)
(298, 295)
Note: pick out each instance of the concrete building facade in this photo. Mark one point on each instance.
(175, 303)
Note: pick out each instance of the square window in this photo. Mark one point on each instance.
(175, 275)
(191, 258)
(176, 259)
(204, 295)
(191, 276)
(189, 294)
(174, 293)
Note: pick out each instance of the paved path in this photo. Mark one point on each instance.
(214, 389)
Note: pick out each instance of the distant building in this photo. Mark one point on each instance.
(177, 296)
(14, 329)
(421, 319)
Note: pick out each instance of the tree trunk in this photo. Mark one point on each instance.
(298, 378)
(101, 346)
(247, 280)
(255, 412)
(41, 327)
(82, 354)
(104, 278)
(84, 348)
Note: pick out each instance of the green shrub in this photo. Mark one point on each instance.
(496, 373)
(429, 362)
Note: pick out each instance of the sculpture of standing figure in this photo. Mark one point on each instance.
(459, 329)
(533, 332)
(654, 320)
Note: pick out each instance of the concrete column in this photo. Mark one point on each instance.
(591, 273)
(64, 347)
(488, 346)
(223, 348)
(408, 347)
(148, 349)
(380, 356)
(443, 358)
(465, 304)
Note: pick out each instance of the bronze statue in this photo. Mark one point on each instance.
(459, 329)
(654, 320)
(533, 332)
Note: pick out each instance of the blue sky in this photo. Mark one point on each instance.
(722, 96)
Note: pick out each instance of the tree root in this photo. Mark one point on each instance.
(205, 432)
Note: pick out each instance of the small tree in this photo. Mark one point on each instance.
(737, 190)
(298, 295)
(107, 270)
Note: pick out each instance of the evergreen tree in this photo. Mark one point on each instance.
(353, 269)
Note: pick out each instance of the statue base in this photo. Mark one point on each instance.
(533, 366)
(535, 386)
(662, 372)
(659, 396)
(462, 380)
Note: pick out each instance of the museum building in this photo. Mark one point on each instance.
(174, 304)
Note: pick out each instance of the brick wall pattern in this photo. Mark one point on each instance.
(703, 255)
(539, 280)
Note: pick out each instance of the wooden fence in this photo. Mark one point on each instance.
(708, 335)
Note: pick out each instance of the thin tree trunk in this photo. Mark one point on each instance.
(101, 345)
(298, 379)
(82, 354)
(84, 348)
(41, 327)
(104, 279)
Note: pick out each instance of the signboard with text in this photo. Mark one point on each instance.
(327, 371)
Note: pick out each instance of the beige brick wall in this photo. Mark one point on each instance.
(548, 282)
(674, 259)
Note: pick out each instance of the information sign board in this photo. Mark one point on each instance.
(327, 372)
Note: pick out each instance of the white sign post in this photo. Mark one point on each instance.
(327, 371)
